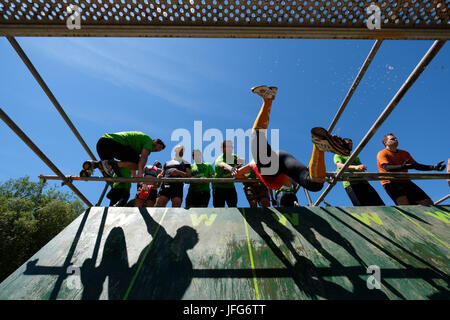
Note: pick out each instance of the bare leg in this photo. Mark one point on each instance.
(264, 202)
(176, 202)
(426, 202)
(402, 201)
(317, 169)
(149, 204)
(161, 202)
(253, 204)
(138, 202)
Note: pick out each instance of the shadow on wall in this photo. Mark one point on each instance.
(163, 270)
(305, 274)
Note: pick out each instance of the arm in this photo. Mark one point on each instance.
(392, 167)
(226, 167)
(241, 172)
(415, 165)
(359, 167)
(143, 161)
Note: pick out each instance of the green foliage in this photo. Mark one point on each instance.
(31, 214)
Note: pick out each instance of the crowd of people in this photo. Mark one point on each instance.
(279, 174)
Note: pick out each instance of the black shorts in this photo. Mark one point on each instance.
(118, 196)
(150, 197)
(197, 198)
(363, 194)
(174, 190)
(108, 149)
(408, 189)
(222, 195)
(287, 163)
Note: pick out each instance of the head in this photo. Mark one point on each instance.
(157, 164)
(390, 141)
(187, 237)
(349, 142)
(179, 151)
(197, 156)
(158, 145)
(227, 147)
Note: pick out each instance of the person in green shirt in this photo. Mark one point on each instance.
(199, 193)
(131, 148)
(224, 166)
(256, 192)
(361, 193)
(120, 191)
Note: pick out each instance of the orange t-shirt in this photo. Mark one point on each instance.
(394, 158)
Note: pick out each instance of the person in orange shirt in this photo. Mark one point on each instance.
(392, 159)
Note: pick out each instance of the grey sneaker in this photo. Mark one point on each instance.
(329, 143)
(265, 92)
(106, 168)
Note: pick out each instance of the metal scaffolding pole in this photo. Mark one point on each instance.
(308, 197)
(41, 155)
(443, 199)
(355, 84)
(53, 99)
(50, 95)
(348, 176)
(374, 176)
(150, 180)
(434, 49)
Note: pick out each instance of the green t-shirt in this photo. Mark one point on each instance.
(136, 140)
(221, 173)
(126, 173)
(343, 159)
(252, 175)
(199, 171)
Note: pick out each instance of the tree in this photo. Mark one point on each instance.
(31, 214)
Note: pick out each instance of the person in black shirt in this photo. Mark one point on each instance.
(172, 169)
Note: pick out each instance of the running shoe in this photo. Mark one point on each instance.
(329, 143)
(106, 167)
(265, 92)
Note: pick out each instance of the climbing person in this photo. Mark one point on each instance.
(175, 168)
(130, 148)
(199, 194)
(278, 168)
(392, 159)
(361, 193)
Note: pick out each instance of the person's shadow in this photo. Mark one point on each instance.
(310, 221)
(304, 273)
(163, 270)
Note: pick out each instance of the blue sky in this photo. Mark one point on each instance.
(159, 85)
